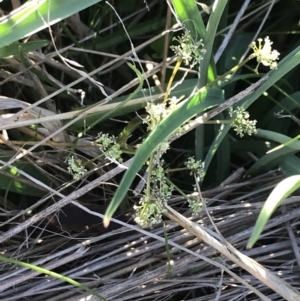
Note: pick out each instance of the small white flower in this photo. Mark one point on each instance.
(110, 146)
(264, 53)
(190, 51)
(76, 168)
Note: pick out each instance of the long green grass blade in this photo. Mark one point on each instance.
(36, 15)
(290, 166)
(207, 69)
(273, 158)
(278, 195)
(51, 274)
(15, 48)
(215, 145)
(190, 17)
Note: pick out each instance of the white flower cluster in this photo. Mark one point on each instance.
(150, 209)
(264, 53)
(196, 167)
(195, 205)
(241, 122)
(156, 114)
(109, 146)
(189, 51)
(76, 168)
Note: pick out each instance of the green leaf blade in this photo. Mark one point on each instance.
(189, 15)
(34, 16)
(278, 195)
(15, 48)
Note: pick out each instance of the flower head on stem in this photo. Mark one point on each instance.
(264, 53)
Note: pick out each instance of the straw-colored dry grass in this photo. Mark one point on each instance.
(125, 264)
